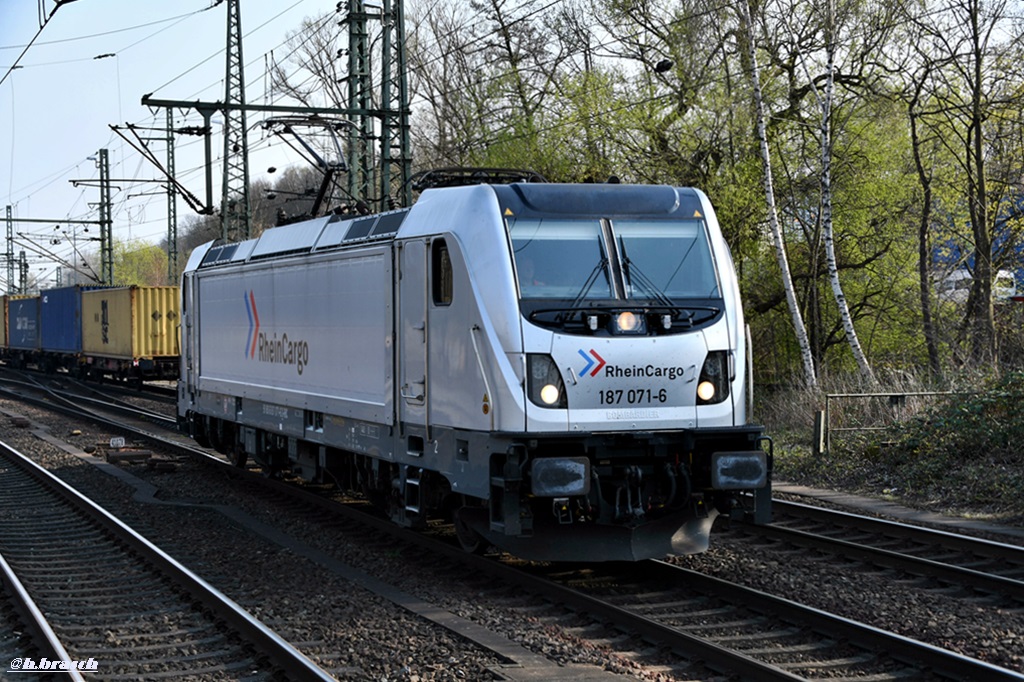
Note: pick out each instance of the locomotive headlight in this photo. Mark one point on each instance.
(713, 385)
(544, 382)
(706, 391)
(549, 394)
(628, 322)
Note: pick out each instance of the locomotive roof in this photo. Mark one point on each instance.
(319, 234)
(517, 199)
(602, 200)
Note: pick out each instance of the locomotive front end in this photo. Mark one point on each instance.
(635, 394)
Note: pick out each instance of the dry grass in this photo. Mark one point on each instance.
(961, 453)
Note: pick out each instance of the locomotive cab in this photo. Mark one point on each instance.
(606, 352)
(634, 392)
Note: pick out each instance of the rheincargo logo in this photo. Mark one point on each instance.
(271, 349)
(595, 363)
(254, 324)
(646, 371)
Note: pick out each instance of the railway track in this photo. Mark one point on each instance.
(24, 630)
(758, 635)
(963, 561)
(76, 399)
(716, 627)
(117, 601)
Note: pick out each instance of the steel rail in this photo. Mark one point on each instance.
(893, 559)
(67, 406)
(910, 651)
(49, 644)
(295, 664)
(966, 543)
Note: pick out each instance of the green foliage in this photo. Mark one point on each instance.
(139, 263)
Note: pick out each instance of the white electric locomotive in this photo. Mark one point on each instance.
(560, 368)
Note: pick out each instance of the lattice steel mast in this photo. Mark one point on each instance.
(172, 205)
(106, 222)
(396, 152)
(392, 175)
(235, 195)
(378, 177)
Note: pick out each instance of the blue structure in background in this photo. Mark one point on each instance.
(1007, 249)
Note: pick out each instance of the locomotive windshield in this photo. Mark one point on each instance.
(561, 259)
(672, 259)
(577, 275)
(568, 260)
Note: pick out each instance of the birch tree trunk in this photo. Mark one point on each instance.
(810, 376)
(825, 102)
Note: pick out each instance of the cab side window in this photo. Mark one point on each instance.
(441, 273)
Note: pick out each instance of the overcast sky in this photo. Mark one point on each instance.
(87, 69)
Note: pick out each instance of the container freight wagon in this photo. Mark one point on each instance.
(131, 332)
(22, 330)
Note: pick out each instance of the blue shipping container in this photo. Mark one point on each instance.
(60, 319)
(23, 323)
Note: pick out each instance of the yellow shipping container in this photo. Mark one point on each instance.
(136, 323)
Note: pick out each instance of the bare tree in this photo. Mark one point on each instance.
(960, 43)
(810, 376)
(311, 70)
(824, 98)
(924, 176)
(453, 98)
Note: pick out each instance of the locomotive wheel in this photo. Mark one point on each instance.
(469, 539)
(215, 431)
(239, 457)
(199, 429)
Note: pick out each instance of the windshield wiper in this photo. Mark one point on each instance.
(589, 284)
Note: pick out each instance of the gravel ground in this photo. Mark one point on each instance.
(349, 631)
(915, 608)
(360, 636)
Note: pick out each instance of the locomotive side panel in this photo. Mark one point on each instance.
(459, 385)
(471, 216)
(472, 382)
(308, 333)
